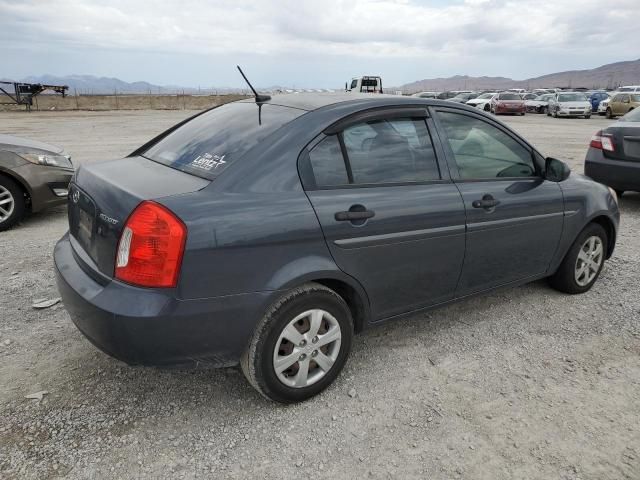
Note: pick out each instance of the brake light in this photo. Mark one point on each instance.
(151, 247)
(602, 141)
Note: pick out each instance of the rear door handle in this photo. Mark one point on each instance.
(487, 202)
(351, 216)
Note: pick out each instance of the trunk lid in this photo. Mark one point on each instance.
(103, 195)
(626, 141)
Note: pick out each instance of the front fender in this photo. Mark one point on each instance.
(585, 201)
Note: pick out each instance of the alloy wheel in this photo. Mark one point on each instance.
(7, 204)
(307, 348)
(589, 261)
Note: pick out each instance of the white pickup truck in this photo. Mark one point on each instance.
(365, 84)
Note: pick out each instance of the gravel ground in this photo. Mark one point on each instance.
(524, 383)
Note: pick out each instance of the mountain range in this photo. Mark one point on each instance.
(607, 76)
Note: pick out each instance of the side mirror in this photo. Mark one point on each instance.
(556, 170)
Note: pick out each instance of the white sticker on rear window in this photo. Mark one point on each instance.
(208, 161)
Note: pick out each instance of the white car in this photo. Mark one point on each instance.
(569, 104)
(426, 94)
(483, 102)
(602, 106)
(629, 88)
(539, 104)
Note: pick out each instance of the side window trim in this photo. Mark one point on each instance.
(451, 162)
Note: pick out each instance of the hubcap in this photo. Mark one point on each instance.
(6, 204)
(307, 348)
(589, 261)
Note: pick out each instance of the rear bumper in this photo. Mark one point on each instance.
(47, 185)
(617, 174)
(151, 327)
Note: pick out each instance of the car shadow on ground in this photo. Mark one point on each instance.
(116, 383)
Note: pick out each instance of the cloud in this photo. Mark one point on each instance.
(317, 44)
(373, 28)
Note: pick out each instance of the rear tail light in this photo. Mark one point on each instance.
(151, 247)
(602, 141)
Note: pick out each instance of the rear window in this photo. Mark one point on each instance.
(510, 96)
(208, 144)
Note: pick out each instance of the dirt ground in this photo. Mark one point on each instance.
(525, 383)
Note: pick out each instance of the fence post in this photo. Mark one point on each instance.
(75, 94)
(115, 93)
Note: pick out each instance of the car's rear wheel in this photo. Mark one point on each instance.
(583, 262)
(300, 345)
(12, 204)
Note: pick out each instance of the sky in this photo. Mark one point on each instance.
(307, 44)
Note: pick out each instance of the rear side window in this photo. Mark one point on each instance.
(483, 151)
(390, 151)
(208, 144)
(328, 164)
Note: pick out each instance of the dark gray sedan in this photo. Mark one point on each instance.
(33, 176)
(613, 157)
(268, 233)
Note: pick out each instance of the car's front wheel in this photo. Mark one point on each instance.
(300, 345)
(12, 204)
(487, 108)
(583, 262)
(609, 113)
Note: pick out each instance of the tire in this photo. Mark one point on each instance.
(619, 193)
(555, 113)
(487, 108)
(522, 114)
(587, 117)
(609, 113)
(258, 360)
(566, 278)
(12, 203)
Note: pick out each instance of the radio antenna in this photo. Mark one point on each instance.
(259, 98)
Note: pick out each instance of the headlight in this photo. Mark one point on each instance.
(613, 194)
(62, 161)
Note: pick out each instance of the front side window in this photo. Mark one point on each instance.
(483, 151)
(390, 151)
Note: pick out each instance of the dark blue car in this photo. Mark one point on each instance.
(269, 233)
(595, 98)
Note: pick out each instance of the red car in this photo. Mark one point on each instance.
(507, 102)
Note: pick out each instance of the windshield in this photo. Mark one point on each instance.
(544, 97)
(626, 89)
(208, 144)
(635, 97)
(510, 96)
(572, 97)
(632, 116)
(486, 95)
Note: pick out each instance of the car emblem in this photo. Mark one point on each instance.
(75, 196)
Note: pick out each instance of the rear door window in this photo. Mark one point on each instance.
(206, 145)
(390, 151)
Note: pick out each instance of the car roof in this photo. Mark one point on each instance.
(314, 101)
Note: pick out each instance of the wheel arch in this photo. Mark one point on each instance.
(606, 223)
(19, 181)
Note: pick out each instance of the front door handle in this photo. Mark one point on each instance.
(351, 216)
(487, 202)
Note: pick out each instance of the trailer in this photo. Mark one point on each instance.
(24, 93)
